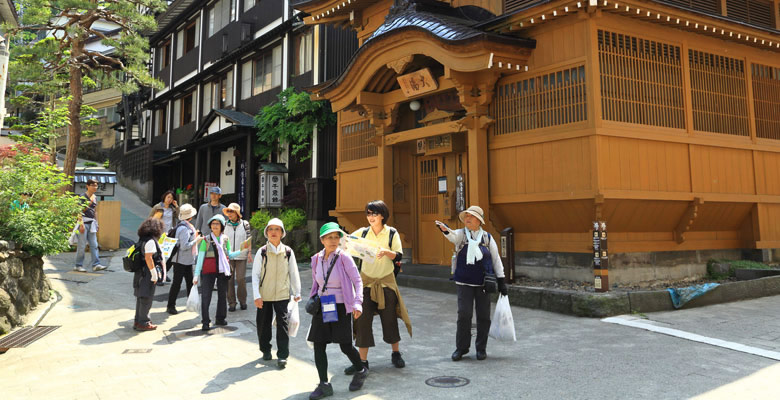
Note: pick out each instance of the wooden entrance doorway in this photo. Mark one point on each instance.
(432, 247)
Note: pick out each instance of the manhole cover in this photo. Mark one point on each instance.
(447, 381)
(24, 336)
(137, 351)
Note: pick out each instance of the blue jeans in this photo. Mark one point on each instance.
(93, 246)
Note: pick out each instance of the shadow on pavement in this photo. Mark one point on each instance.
(123, 332)
(234, 375)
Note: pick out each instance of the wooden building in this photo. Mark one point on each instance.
(220, 62)
(661, 118)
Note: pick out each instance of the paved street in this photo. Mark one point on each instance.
(96, 354)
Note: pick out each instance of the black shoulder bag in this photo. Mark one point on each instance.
(313, 306)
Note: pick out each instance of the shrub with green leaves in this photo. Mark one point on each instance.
(260, 219)
(293, 218)
(42, 219)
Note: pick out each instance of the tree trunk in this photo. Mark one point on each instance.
(74, 113)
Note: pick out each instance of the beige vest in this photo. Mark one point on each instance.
(275, 277)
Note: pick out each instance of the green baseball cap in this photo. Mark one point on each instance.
(330, 227)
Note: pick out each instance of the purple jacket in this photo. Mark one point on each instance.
(347, 272)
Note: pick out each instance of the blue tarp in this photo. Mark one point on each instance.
(683, 295)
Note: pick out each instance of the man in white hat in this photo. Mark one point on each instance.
(476, 255)
(183, 257)
(238, 231)
(274, 279)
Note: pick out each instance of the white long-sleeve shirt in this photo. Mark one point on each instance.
(457, 237)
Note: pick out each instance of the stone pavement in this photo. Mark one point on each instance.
(96, 354)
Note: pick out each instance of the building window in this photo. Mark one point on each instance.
(187, 39)
(267, 71)
(356, 141)
(220, 15)
(184, 110)
(248, 4)
(555, 98)
(208, 103)
(304, 48)
(218, 94)
(766, 102)
(162, 119)
(246, 80)
(641, 81)
(165, 54)
(756, 12)
(718, 93)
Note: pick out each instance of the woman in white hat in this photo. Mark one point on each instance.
(476, 253)
(274, 279)
(238, 231)
(183, 257)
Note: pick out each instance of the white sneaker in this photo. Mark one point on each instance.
(79, 269)
(99, 267)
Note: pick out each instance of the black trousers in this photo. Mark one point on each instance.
(364, 328)
(321, 358)
(180, 271)
(264, 318)
(468, 298)
(208, 281)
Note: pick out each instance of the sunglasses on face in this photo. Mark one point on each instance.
(230, 211)
(372, 214)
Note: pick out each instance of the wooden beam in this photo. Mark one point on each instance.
(424, 132)
(687, 220)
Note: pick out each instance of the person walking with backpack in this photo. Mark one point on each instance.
(148, 273)
(380, 290)
(183, 255)
(339, 292)
(476, 256)
(212, 267)
(88, 227)
(274, 278)
(238, 231)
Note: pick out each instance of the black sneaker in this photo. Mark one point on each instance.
(205, 327)
(281, 363)
(267, 355)
(243, 306)
(358, 379)
(351, 369)
(481, 355)
(323, 390)
(457, 355)
(232, 308)
(397, 360)
(221, 322)
(171, 311)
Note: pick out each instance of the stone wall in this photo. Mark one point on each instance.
(22, 285)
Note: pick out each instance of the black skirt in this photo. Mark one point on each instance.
(331, 332)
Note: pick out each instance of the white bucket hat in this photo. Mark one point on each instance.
(187, 211)
(475, 211)
(276, 222)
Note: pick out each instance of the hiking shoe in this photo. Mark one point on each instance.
(79, 269)
(267, 355)
(232, 308)
(323, 390)
(243, 306)
(221, 322)
(396, 359)
(351, 369)
(481, 355)
(205, 327)
(458, 354)
(358, 379)
(171, 311)
(282, 363)
(99, 267)
(146, 327)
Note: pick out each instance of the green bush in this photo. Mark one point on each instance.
(733, 266)
(293, 218)
(106, 164)
(303, 253)
(41, 222)
(259, 219)
(90, 164)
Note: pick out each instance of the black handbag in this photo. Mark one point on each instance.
(313, 305)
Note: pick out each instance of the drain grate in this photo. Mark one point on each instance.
(25, 336)
(447, 381)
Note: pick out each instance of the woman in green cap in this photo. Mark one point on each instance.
(336, 280)
(212, 266)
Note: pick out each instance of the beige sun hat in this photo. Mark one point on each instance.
(475, 211)
(275, 222)
(234, 207)
(187, 211)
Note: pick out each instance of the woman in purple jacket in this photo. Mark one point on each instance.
(344, 284)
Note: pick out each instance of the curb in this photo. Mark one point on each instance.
(600, 305)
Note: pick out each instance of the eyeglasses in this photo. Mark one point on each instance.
(229, 211)
(372, 214)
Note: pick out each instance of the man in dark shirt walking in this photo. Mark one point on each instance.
(208, 210)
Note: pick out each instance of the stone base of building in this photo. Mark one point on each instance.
(631, 268)
(23, 285)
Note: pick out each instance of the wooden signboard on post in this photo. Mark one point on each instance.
(417, 82)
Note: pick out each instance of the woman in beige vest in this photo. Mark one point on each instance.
(274, 278)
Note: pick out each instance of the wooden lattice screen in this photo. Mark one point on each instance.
(756, 12)
(766, 101)
(718, 94)
(641, 81)
(429, 193)
(555, 98)
(356, 141)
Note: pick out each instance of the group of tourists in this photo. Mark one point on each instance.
(345, 294)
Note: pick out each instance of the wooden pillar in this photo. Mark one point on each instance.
(249, 174)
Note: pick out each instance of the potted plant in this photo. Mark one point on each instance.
(184, 195)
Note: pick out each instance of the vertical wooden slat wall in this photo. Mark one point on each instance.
(355, 141)
(766, 100)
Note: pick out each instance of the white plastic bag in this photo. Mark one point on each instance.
(293, 318)
(73, 240)
(503, 325)
(193, 302)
